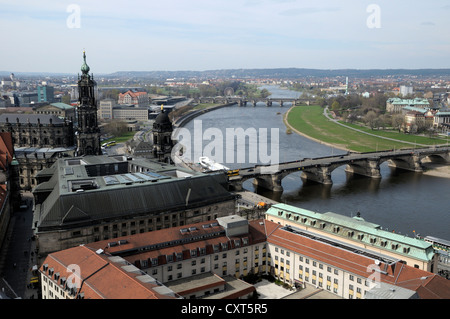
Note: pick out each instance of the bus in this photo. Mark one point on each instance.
(438, 243)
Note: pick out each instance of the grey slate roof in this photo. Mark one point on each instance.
(31, 118)
(64, 208)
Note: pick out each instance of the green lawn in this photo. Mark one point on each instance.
(310, 121)
(400, 135)
(122, 138)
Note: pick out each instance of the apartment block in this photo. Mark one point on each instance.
(209, 260)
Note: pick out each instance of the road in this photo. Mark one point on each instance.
(308, 162)
(18, 255)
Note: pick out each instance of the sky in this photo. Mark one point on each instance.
(50, 36)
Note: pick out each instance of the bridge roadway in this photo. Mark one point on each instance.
(319, 169)
(242, 101)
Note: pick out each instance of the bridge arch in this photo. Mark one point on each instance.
(320, 169)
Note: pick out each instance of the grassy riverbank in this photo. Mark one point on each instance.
(310, 122)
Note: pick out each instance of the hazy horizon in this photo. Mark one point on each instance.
(50, 36)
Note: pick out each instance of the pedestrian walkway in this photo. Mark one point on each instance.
(325, 113)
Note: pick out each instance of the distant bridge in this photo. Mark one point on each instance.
(319, 169)
(243, 101)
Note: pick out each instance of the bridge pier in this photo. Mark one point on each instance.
(369, 168)
(281, 103)
(270, 182)
(254, 102)
(269, 103)
(242, 103)
(410, 163)
(319, 174)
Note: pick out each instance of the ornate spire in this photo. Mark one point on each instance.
(85, 68)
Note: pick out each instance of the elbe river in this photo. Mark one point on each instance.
(404, 202)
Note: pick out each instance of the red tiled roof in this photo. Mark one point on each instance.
(6, 149)
(133, 94)
(396, 273)
(206, 239)
(426, 284)
(100, 277)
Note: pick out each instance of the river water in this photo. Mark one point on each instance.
(405, 202)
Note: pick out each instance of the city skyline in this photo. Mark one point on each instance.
(49, 36)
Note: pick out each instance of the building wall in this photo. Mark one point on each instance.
(235, 262)
(5, 216)
(427, 266)
(132, 113)
(296, 269)
(29, 167)
(105, 110)
(42, 135)
(51, 241)
(68, 114)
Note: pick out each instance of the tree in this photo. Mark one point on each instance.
(351, 117)
(385, 120)
(66, 99)
(335, 106)
(397, 121)
(264, 93)
(116, 128)
(371, 119)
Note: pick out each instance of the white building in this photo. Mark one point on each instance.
(406, 90)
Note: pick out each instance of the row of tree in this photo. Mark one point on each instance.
(371, 112)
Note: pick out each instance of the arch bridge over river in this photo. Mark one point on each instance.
(319, 169)
(243, 101)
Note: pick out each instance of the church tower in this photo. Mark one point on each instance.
(162, 137)
(88, 132)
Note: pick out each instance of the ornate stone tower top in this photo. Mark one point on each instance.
(85, 68)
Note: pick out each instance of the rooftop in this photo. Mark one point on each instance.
(101, 276)
(372, 235)
(30, 118)
(82, 190)
(416, 101)
(183, 240)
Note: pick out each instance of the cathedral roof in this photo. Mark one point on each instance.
(163, 118)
